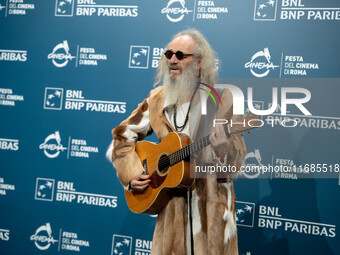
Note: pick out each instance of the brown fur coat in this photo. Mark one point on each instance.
(213, 201)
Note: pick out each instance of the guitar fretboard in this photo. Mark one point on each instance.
(188, 150)
(198, 145)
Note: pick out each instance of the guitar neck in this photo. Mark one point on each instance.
(198, 145)
(191, 149)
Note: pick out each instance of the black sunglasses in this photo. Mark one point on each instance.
(179, 54)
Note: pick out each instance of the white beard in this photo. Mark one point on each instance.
(179, 90)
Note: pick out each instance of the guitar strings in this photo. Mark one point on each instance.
(187, 149)
(184, 150)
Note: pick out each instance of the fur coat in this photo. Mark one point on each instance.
(213, 200)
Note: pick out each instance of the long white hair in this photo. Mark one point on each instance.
(202, 51)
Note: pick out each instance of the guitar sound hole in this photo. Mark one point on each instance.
(163, 164)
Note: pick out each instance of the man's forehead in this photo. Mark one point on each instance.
(183, 42)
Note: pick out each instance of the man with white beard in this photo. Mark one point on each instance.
(188, 61)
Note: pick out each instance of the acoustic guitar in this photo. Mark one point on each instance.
(168, 164)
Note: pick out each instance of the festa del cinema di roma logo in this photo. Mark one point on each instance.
(52, 145)
(43, 237)
(175, 10)
(260, 64)
(61, 54)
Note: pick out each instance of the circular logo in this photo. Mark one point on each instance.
(60, 55)
(252, 165)
(52, 145)
(43, 237)
(175, 10)
(260, 64)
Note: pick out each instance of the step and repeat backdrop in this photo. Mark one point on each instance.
(71, 70)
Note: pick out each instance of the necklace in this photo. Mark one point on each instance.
(181, 128)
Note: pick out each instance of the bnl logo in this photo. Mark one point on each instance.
(121, 245)
(64, 8)
(53, 98)
(44, 189)
(265, 10)
(139, 57)
(245, 212)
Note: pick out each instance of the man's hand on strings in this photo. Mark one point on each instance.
(141, 183)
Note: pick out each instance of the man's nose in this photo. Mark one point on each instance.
(174, 59)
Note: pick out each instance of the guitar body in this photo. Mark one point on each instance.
(163, 177)
(173, 172)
